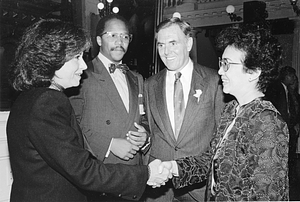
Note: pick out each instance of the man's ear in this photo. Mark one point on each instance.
(99, 40)
(190, 43)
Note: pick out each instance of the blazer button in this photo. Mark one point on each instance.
(176, 148)
(134, 197)
(120, 195)
(108, 122)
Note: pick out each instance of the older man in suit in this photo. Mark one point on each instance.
(109, 105)
(184, 103)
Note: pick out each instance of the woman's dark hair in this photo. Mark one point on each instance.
(44, 48)
(262, 50)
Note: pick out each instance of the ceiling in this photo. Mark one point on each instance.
(16, 15)
(139, 7)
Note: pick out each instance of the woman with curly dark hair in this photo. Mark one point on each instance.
(50, 159)
(249, 152)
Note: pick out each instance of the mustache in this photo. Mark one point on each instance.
(118, 47)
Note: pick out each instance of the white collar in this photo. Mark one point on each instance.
(186, 71)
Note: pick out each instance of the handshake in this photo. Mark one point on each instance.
(160, 172)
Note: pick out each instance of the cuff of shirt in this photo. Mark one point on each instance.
(108, 151)
(174, 169)
(146, 145)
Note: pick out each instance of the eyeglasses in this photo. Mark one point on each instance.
(225, 64)
(114, 36)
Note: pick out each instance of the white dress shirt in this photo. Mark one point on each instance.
(119, 80)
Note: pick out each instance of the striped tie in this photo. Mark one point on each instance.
(178, 104)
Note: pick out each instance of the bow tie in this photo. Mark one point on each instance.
(123, 67)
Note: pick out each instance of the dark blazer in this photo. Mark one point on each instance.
(200, 119)
(277, 95)
(101, 113)
(48, 156)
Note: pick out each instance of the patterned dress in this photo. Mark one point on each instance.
(251, 164)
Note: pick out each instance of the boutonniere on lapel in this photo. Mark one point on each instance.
(198, 94)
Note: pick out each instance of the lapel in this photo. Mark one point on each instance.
(158, 104)
(81, 136)
(284, 96)
(108, 87)
(133, 90)
(199, 82)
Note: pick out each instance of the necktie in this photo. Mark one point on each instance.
(123, 67)
(178, 103)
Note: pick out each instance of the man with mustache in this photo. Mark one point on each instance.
(109, 105)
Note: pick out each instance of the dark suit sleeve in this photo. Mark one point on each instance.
(77, 102)
(58, 143)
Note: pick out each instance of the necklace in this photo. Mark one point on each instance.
(56, 86)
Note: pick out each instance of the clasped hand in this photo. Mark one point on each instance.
(127, 148)
(138, 137)
(160, 173)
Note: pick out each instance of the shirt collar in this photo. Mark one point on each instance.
(284, 86)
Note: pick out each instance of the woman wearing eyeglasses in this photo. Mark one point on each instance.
(248, 156)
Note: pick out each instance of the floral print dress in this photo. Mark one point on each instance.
(251, 164)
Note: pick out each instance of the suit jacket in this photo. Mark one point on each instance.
(48, 156)
(277, 95)
(252, 162)
(101, 113)
(200, 119)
